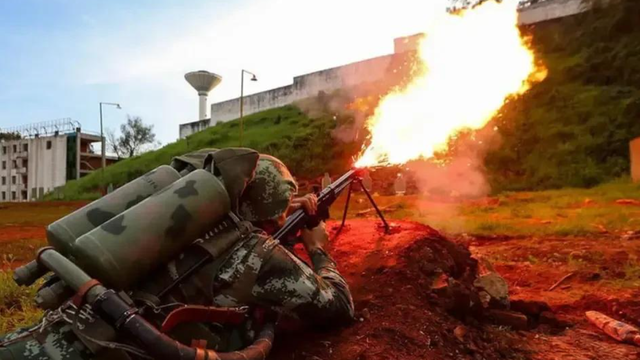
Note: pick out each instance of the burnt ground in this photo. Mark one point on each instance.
(399, 317)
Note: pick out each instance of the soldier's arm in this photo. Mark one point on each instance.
(319, 296)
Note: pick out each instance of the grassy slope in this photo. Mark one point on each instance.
(565, 212)
(304, 144)
(570, 130)
(573, 128)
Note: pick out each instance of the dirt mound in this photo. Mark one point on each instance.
(395, 280)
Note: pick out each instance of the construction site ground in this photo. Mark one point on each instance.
(397, 314)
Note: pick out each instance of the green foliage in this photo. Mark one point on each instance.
(134, 135)
(571, 130)
(10, 136)
(304, 144)
(574, 128)
(17, 308)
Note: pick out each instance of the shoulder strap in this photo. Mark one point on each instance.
(218, 242)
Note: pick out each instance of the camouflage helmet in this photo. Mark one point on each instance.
(268, 194)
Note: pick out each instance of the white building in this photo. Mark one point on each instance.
(37, 158)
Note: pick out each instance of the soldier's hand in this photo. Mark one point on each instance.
(315, 238)
(308, 202)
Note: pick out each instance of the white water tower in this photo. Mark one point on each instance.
(203, 81)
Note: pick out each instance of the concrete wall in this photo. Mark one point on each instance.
(47, 167)
(303, 87)
(549, 10)
(350, 75)
(41, 165)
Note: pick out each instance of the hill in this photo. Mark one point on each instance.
(571, 130)
(305, 144)
(574, 128)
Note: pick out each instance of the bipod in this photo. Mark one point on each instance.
(375, 206)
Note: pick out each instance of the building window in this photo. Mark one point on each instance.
(48, 144)
(4, 196)
(15, 148)
(13, 180)
(25, 147)
(4, 165)
(4, 180)
(13, 195)
(4, 150)
(14, 164)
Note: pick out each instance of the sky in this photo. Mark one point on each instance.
(60, 58)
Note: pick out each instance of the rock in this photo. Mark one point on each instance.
(485, 298)
(529, 307)
(494, 285)
(460, 331)
(440, 282)
(365, 314)
(513, 319)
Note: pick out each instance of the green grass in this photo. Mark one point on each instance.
(304, 144)
(570, 130)
(573, 129)
(563, 212)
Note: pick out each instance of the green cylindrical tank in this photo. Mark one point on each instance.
(126, 248)
(63, 233)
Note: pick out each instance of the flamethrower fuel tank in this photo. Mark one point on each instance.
(126, 248)
(63, 233)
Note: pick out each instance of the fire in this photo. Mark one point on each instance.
(474, 61)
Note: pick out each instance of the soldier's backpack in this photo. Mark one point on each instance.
(183, 214)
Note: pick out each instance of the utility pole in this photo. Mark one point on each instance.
(253, 78)
(104, 143)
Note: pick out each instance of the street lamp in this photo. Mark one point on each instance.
(253, 78)
(104, 143)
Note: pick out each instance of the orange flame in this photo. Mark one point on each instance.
(475, 60)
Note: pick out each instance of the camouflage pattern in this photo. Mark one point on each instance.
(268, 195)
(63, 233)
(126, 248)
(261, 272)
(286, 284)
(55, 342)
(257, 271)
(234, 167)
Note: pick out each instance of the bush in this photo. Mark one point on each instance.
(573, 129)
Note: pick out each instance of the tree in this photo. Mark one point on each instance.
(10, 136)
(134, 135)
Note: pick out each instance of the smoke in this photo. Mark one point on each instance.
(459, 174)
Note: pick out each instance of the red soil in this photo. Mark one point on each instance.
(17, 232)
(399, 319)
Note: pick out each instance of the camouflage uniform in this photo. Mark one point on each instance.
(258, 271)
(262, 272)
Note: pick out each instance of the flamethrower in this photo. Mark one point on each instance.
(300, 219)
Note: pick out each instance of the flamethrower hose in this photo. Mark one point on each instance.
(124, 317)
